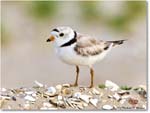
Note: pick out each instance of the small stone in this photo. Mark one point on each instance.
(38, 83)
(133, 101)
(112, 86)
(94, 102)
(107, 107)
(14, 98)
(29, 98)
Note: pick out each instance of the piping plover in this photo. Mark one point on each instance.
(78, 49)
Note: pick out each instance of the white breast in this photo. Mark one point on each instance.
(69, 56)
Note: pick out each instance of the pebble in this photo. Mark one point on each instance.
(107, 107)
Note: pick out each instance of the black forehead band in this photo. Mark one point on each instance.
(55, 30)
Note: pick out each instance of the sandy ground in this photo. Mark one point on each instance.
(64, 97)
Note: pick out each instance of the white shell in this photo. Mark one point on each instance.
(94, 102)
(122, 101)
(47, 104)
(95, 91)
(143, 86)
(38, 83)
(112, 86)
(51, 91)
(29, 98)
(3, 89)
(59, 87)
(77, 95)
(59, 97)
(66, 85)
(29, 92)
(107, 107)
(125, 96)
(85, 98)
(116, 96)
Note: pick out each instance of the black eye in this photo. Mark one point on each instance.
(61, 34)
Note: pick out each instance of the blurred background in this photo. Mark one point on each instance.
(26, 56)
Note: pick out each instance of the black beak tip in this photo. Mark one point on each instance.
(48, 40)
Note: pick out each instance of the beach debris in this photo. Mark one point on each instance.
(133, 101)
(51, 91)
(85, 98)
(116, 96)
(65, 97)
(94, 102)
(66, 85)
(29, 98)
(77, 94)
(95, 91)
(66, 91)
(107, 107)
(112, 86)
(38, 83)
(59, 87)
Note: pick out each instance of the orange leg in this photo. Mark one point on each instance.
(92, 78)
(77, 76)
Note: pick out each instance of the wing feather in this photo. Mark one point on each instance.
(88, 46)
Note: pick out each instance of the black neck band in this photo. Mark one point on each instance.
(72, 41)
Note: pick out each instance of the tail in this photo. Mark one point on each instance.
(117, 42)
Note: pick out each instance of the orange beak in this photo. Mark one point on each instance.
(51, 38)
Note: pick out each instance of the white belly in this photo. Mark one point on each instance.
(69, 56)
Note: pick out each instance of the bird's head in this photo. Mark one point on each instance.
(61, 35)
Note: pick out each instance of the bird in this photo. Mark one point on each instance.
(79, 49)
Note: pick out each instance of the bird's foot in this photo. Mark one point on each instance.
(74, 85)
(91, 86)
